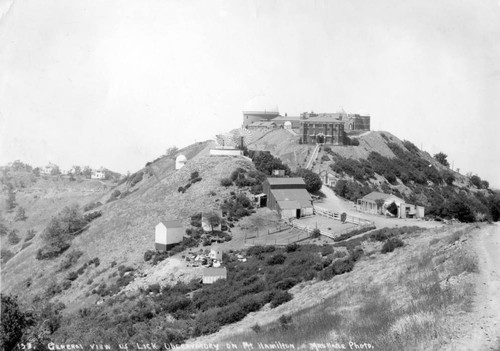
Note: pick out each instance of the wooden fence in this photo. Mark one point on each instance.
(337, 216)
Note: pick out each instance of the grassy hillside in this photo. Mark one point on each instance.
(410, 298)
(125, 231)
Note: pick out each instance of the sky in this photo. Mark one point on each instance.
(115, 83)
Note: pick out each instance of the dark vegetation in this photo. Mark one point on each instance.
(195, 178)
(265, 162)
(265, 278)
(57, 236)
(440, 198)
(312, 180)
(243, 178)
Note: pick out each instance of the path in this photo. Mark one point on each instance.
(481, 330)
(313, 156)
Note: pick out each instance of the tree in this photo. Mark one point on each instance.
(171, 151)
(87, 172)
(20, 214)
(476, 180)
(55, 170)
(213, 219)
(312, 180)
(77, 170)
(11, 198)
(12, 324)
(442, 158)
(71, 219)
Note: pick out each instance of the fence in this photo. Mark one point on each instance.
(337, 216)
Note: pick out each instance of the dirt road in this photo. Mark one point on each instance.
(481, 330)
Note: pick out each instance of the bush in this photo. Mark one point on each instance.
(342, 266)
(280, 297)
(315, 233)
(226, 182)
(195, 175)
(6, 255)
(181, 189)
(136, 178)
(392, 244)
(70, 259)
(312, 180)
(291, 247)
(13, 237)
(276, 259)
(148, 255)
(72, 276)
(286, 283)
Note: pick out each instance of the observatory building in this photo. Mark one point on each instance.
(259, 109)
(180, 161)
(327, 128)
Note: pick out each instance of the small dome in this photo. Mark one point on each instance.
(181, 158)
(261, 104)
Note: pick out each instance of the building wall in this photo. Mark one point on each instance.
(212, 279)
(250, 117)
(333, 132)
(225, 152)
(168, 236)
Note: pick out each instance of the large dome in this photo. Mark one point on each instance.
(262, 105)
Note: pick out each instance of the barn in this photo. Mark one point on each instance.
(168, 233)
(288, 196)
(211, 275)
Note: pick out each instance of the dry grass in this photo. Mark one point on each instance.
(398, 301)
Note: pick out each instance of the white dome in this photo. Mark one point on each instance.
(181, 158)
(261, 103)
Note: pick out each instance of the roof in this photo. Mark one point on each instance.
(287, 196)
(322, 120)
(375, 195)
(284, 205)
(171, 223)
(214, 272)
(280, 181)
(286, 118)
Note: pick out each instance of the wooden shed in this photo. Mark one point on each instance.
(211, 275)
(168, 233)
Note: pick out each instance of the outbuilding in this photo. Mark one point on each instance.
(211, 275)
(215, 253)
(377, 203)
(168, 233)
(288, 196)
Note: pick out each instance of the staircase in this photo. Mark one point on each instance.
(313, 157)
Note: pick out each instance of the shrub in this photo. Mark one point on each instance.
(148, 255)
(66, 284)
(13, 237)
(195, 180)
(391, 244)
(6, 255)
(280, 297)
(72, 276)
(181, 189)
(70, 259)
(195, 175)
(315, 233)
(291, 247)
(285, 321)
(312, 180)
(342, 266)
(226, 182)
(276, 259)
(136, 178)
(286, 283)
(256, 328)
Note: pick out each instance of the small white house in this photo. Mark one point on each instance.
(180, 161)
(98, 174)
(211, 275)
(215, 253)
(168, 233)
